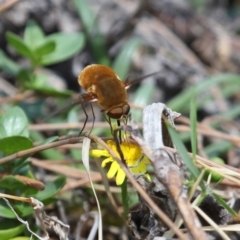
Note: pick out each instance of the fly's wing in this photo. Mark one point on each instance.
(128, 83)
(83, 98)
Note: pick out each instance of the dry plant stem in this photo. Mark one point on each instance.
(17, 97)
(207, 131)
(202, 129)
(30, 182)
(159, 28)
(5, 6)
(166, 169)
(70, 185)
(22, 199)
(169, 174)
(62, 169)
(212, 223)
(74, 140)
(68, 172)
(7, 88)
(225, 228)
(200, 146)
(205, 162)
(58, 126)
(141, 191)
(219, 99)
(211, 133)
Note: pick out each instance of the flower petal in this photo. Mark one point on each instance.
(148, 177)
(98, 153)
(120, 177)
(141, 168)
(146, 160)
(113, 169)
(105, 161)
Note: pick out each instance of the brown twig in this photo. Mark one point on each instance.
(207, 131)
(169, 174)
(39, 148)
(58, 126)
(17, 97)
(166, 170)
(8, 4)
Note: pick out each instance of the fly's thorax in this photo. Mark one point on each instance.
(93, 74)
(92, 88)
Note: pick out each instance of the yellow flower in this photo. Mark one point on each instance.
(133, 156)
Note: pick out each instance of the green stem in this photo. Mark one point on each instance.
(125, 199)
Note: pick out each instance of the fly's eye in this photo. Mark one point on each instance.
(119, 112)
(126, 109)
(115, 113)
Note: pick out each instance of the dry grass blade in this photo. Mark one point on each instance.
(21, 199)
(85, 159)
(33, 183)
(212, 223)
(8, 4)
(70, 140)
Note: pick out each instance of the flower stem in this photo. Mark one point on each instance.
(125, 198)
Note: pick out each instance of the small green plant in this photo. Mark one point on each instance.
(215, 177)
(16, 177)
(41, 51)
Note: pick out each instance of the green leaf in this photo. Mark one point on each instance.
(10, 229)
(23, 209)
(142, 97)
(218, 148)
(51, 139)
(7, 65)
(193, 125)
(87, 15)
(225, 205)
(49, 91)
(15, 122)
(183, 153)
(19, 45)
(45, 49)
(67, 45)
(20, 167)
(51, 189)
(40, 83)
(49, 153)
(124, 193)
(5, 211)
(215, 177)
(122, 63)
(180, 102)
(95, 38)
(11, 183)
(11, 145)
(3, 132)
(230, 113)
(33, 35)
(72, 117)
